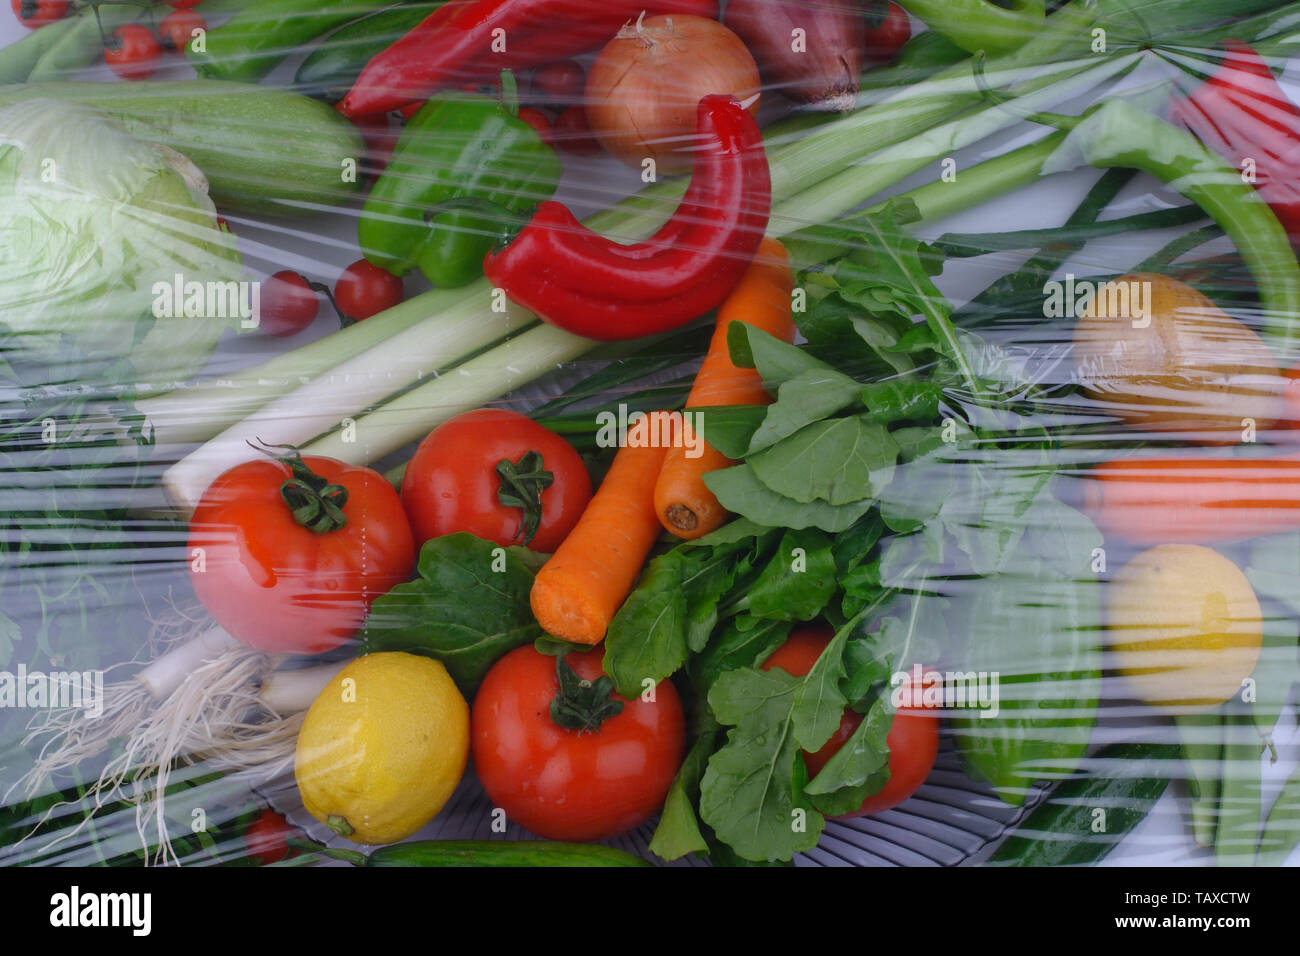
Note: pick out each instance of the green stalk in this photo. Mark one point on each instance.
(1282, 828)
(987, 180)
(976, 25)
(1202, 740)
(1240, 808)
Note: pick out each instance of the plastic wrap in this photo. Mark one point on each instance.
(1031, 459)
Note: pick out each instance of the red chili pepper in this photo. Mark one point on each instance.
(470, 41)
(592, 286)
(1242, 114)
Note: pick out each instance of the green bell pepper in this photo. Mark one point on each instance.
(462, 170)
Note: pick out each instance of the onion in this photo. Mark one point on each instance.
(644, 89)
(818, 65)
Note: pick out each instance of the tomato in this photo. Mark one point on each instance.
(572, 131)
(913, 737)
(133, 52)
(183, 4)
(365, 289)
(559, 84)
(266, 838)
(288, 304)
(177, 29)
(886, 36)
(566, 784)
(538, 121)
(37, 13)
(275, 584)
(453, 482)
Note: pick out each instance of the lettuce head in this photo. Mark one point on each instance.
(94, 225)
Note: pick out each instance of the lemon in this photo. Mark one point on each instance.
(1185, 626)
(383, 747)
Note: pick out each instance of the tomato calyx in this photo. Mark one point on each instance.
(316, 503)
(522, 484)
(582, 705)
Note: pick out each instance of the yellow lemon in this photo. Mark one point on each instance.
(1185, 626)
(383, 747)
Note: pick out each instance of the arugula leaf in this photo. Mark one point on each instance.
(818, 704)
(776, 361)
(460, 610)
(736, 647)
(807, 398)
(860, 768)
(678, 830)
(795, 587)
(839, 461)
(647, 637)
(729, 428)
(740, 492)
(748, 794)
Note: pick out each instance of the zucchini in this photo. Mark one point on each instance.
(252, 43)
(485, 853)
(262, 150)
(330, 70)
(1060, 831)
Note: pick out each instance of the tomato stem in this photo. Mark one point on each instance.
(316, 504)
(522, 484)
(582, 705)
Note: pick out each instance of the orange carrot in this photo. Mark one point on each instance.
(762, 299)
(1169, 500)
(586, 581)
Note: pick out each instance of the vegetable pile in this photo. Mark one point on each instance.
(591, 413)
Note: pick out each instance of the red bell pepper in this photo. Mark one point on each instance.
(592, 286)
(1242, 114)
(467, 41)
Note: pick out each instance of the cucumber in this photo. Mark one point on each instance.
(487, 853)
(262, 150)
(330, 70)
(255, 40)
(1060, 831)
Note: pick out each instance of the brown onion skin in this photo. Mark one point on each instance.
(826, 74)
(643, 91)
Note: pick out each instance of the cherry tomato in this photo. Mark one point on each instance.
(183, 4)
(177, 29)
(568, 784)
(280, 586)
(133, 52)
(538, 121)
(453, 482)
(573, 132)
(266, 838)
(288, 304)
(559, 84)
(886, 37)
(365, 289)
(37, 13)
(913, 737)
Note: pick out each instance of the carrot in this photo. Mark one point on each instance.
(579, 589)
(762, 299)
(1169, 500)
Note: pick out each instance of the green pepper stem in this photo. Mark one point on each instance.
(509, 92)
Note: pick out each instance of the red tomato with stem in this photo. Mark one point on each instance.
(288, 304)
(177, 29)
(606, 771)
(266, 839)
(37, 13)
(913, 737)
(292, 551)
(559, 84)
(486, 472)
(365, 289)
(133, 52)
(886, 34)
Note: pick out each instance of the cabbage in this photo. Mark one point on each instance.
(96, 229)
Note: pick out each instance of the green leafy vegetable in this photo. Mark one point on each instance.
(468, 606)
